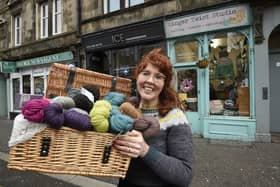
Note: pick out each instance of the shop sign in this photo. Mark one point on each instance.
(212, 20)
(45, 59)
(124, 36)
(7, 67)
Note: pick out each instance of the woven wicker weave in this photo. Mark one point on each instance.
(59, 75)
(71, 151)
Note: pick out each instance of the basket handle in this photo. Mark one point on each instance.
(114, 82)
(70, 79)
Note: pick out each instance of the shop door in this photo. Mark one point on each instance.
(188, 93)
(274, 64)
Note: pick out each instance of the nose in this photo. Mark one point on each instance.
(150, 79)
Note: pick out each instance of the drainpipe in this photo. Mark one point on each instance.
(78, 34)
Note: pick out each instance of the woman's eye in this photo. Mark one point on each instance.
(159, 77)
(145, 73)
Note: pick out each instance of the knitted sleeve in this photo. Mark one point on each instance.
(175, 167)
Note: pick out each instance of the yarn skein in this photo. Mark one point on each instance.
(129, 109)
(99, 115)
(148, 125)
(83, 102)
(33, 110)
(115, 98)
(53, 115)
(134, 100)
(77, 119)
(65, 101)
(94, 90)
(119, 123)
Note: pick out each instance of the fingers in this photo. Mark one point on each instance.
(126, 150)
(130, 144)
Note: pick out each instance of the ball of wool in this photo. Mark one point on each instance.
(99, 115)
(53, 115)
(33, 110)
(134, 101)
(82, 102)
(129, 109)
(77, 119)
(94, 90)
(73, 92)
(65, 101)
(115, 98)
(148, 125)
(120, 123)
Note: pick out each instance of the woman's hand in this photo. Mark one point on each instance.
(132, 144)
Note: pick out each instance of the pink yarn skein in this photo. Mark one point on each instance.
(33, 110)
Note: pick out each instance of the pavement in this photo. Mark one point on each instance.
(219, 163)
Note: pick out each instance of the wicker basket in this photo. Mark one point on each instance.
(62, 78)
(69, 151)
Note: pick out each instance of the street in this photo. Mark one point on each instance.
(219, 163)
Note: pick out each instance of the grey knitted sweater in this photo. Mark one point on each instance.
(169, 161)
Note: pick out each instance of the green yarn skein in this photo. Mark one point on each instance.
(99, 115)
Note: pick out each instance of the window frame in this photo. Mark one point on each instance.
(44, 19)
(121, 3)
(17, 30)
(57, 17)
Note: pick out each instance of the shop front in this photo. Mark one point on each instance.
(116, 51)
(28, 79)
(212, 54)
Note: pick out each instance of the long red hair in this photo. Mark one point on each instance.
(168, 96)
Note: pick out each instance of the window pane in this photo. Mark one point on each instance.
(17, 34)
(26, 84)
(114, 5)
(16, 93)
(44, 20)
(187, 88)
(229, 75)
(135, 2)
(124, 62)
(57, 17)
(186, 51)
(39, 85)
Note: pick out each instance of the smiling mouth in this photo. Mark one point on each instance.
(148, 89)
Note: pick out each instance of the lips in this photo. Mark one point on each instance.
(148, 88)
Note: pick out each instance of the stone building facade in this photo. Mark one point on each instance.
(110, 36)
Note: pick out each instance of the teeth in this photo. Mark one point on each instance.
(148, 89)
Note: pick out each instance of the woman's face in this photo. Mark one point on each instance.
(150, 83)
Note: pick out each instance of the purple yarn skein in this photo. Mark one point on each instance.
(53, 115)
(77, 120)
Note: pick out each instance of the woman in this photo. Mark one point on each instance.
(165, 159)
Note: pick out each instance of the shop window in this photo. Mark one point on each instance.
(17, 29)
(39, 85)
(187, 88)
(186, 51)
(229, 75)
(124, 62)
(16, 93)
(26, 84)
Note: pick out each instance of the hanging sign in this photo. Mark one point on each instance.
(211, 20)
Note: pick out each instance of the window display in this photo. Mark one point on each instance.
(229, 75)
(187, 88)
